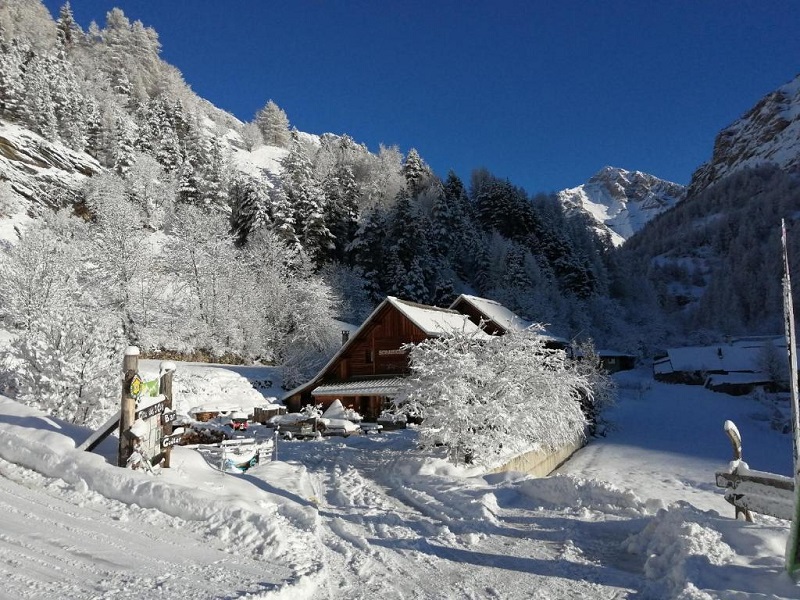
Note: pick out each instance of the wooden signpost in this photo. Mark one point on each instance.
(145, 417)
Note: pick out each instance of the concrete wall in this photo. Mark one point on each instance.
(540, 463)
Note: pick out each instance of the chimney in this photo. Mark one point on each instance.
(345, 336)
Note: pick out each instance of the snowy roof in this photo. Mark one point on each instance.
(737, 355)
(436, 321)
(371, 387)
(215, 407)
(502, 316)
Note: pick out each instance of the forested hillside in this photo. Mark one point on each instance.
(715, 259)
(174, 226)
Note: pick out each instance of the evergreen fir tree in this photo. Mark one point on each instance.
(368, 252)
(248, 208)
(274, 125)
(409, 266)
(68, 30)
(341, 209)
(11, 82)
(304, 195)
(417, 174)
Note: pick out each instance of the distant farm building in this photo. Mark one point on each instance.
(735, 367)
(614, 361)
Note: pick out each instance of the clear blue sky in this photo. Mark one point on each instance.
(541, 92)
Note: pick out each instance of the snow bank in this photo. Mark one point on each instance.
(562, 491)
(700, 555)
(225, 514)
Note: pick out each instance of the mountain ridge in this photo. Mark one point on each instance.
(768, 133)
(621, 202)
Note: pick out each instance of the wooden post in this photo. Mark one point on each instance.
(165, 388)
(130, 367)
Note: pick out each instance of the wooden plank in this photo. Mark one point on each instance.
(98, 436)
(758, 492)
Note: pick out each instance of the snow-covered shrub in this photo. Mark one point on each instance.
(66, 356)
(600, 389)
(484, 398)
(67, 367)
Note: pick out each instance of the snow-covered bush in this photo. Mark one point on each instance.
(67, 367)
(600, 388)
(485, 398)
(66, 355)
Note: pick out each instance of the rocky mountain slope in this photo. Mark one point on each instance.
(769, 133)
(622, 201)
(715, 259)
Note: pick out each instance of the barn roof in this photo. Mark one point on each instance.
(367, 387)
(435, 321)
(740, 355)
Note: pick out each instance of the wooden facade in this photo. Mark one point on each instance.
(360, 375)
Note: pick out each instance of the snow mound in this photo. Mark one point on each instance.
(565, 490)
(337, 411)
(680, 544)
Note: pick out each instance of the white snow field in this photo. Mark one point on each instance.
(635, 514)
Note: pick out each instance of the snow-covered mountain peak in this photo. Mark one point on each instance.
(767, 133)
(622, 201)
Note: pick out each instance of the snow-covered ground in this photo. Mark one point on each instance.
(635, 514)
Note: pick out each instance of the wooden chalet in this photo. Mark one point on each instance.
(368, 369)
(496, 319)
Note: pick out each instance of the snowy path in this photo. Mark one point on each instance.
(419, 536)
(82, 545)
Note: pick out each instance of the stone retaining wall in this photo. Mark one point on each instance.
(540, 463)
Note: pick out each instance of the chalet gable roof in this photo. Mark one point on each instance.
(495, 312)
(501, 316)
(435, 321)
(741, 355)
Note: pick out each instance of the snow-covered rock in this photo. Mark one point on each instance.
(767, 133)
(621, 201)
(31, 163)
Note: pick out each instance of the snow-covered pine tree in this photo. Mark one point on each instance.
(38, 106)
(249, 207)
(121, 141)
(69, 32)
(214, 176)
(342, 197)
(417, 174)
(304, 194)
(11, 81)
(274, 125)
(367, 251)
(409, 267)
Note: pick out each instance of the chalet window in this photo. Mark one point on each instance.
(368, 356)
